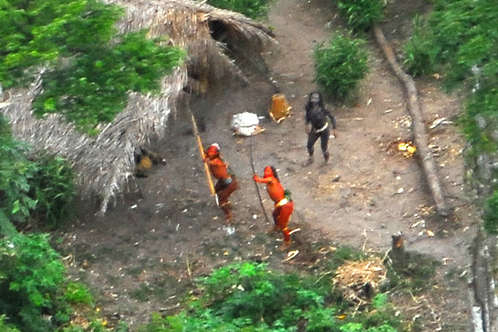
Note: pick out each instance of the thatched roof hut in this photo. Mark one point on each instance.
(105, 163)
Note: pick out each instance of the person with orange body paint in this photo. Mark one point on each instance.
(284, 206)
(226, 184)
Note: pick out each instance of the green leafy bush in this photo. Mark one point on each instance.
(16, 173)
(31, 276)
(34, 292)
(248, 297)
(78, 293)
(95, 325)
(419, 55)
(482, 103)
(4, 327)
(464, 34)
(382, 317)
(259, 294)
(357, 327)
(52, 186)
(251, 8)
(361, 14)
(457, 36)
(87, 77)
(340, 65)
(42, 189)
(491, 214)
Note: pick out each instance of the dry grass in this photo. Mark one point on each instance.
(353, 276)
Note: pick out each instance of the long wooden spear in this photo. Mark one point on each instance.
(257, 187)
(201, 151)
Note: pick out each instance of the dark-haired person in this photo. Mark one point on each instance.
(226, 184)
(317, 125)
(283, 202)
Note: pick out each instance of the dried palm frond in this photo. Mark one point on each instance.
(356, 279)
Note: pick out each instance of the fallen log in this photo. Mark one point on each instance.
(419, 132)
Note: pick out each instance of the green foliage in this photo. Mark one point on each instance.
(53, 188)
(464, 32)
(6, 227)
(414, 276)
(5, 131)
(94, 89)
(320, 319)
(361, 14)
(248, 291)
(491, 214)
(4, 327)
(340, 65)
(382, 319)
(31, 274)
(482, 103)
(16, 173)
(121, 327)
(77, 293)
(95, 325)
(88, 77)
(457, 36)
(419, 55)
(34, 292)
(459, 40)
(36, 32)
(255, 9)
(41, 189)
(248, 297)
(379, 301)
(357, 327)
(343, 254)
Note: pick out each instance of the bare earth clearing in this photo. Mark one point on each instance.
(147, 250)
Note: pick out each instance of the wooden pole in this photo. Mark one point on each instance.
(201, 151)
(257, 187)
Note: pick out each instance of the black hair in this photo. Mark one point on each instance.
(275, 174)
(310, 104)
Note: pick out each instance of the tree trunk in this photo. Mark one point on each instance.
(419, 133)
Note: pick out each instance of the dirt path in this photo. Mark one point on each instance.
(142, 255)
(371, 172)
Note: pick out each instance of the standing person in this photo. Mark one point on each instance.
(283, 202)
(226, 184)
(317, 125)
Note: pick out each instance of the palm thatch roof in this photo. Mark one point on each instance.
(105, 163)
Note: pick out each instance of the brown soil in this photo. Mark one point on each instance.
(148, 249)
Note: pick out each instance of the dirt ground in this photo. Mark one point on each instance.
(148, 249)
